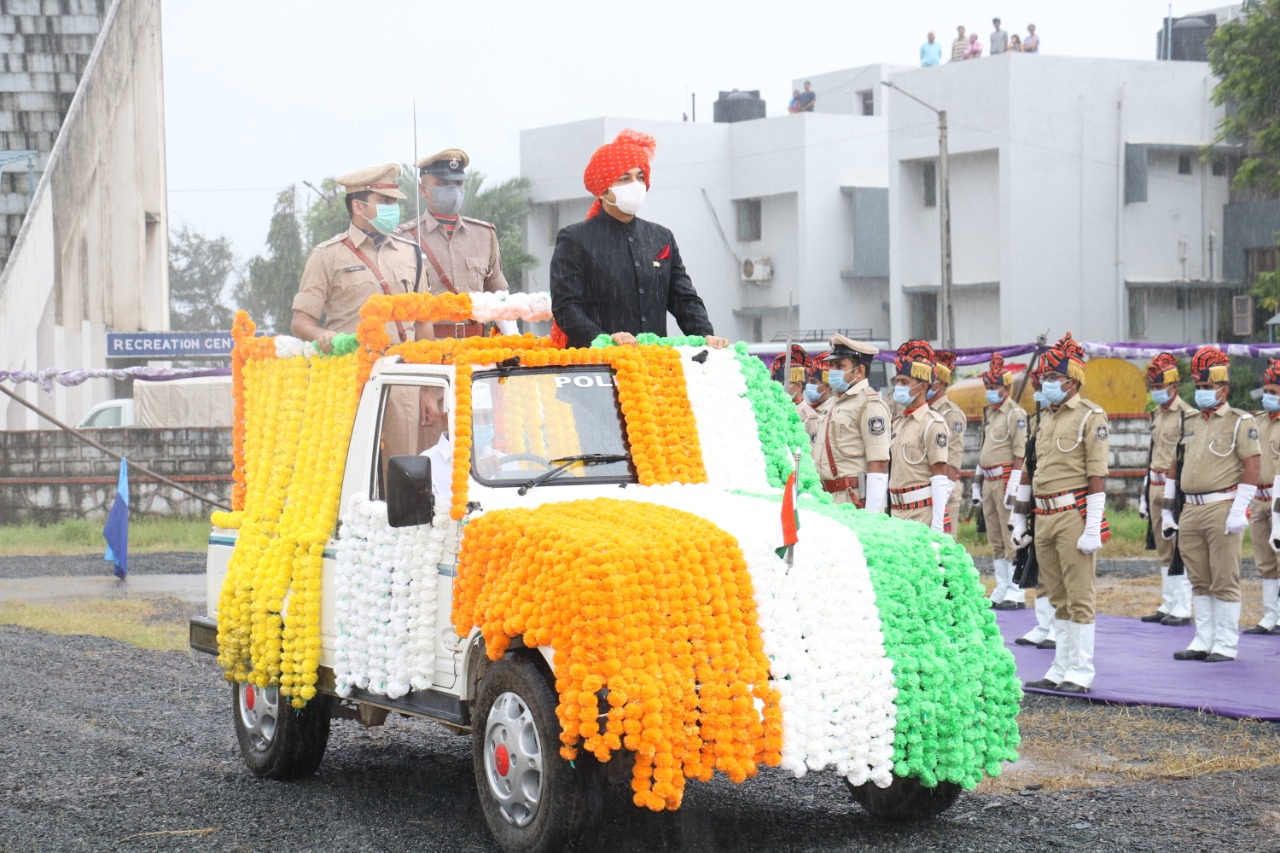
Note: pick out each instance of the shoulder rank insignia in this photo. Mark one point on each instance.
(876, 425)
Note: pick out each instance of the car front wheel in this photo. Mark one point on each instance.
(905, 799)
(276, 740)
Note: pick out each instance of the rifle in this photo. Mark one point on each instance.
(1176, 566)
(1146, 480)
(1026, 569)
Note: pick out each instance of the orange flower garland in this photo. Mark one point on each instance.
(666, 625)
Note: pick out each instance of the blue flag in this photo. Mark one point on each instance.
(116, 531)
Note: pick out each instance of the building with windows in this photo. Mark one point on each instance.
(766, 210)
(1085, 196)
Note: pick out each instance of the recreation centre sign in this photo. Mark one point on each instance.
(169, 345)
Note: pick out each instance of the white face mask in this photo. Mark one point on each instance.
(629, 197)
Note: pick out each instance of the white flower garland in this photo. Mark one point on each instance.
(385, 582)
(503, 305)
(727, 430)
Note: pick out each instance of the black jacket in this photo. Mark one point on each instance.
(609, 276)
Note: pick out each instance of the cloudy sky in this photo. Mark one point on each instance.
(262, 95)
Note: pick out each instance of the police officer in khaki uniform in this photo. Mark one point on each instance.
(1264, 522)
(851, 448)
(461, 253)
(1071, 469)
(996, 480)
(344, 271)
(1166, 432)
(1219, 477)
(919, 486)
(943, 366)
(817, 393)
(794, 383)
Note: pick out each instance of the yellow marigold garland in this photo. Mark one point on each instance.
(667, 625)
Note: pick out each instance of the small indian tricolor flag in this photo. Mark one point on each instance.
(790, 516)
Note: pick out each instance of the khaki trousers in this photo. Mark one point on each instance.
(997, 519)
(1155, 503)
(1212, 557)
(1260, 525)
(922, 514)
(953, 506)
(1066, 574)
(401, 434)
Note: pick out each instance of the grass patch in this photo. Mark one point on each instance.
(147, 624)
(146, 535)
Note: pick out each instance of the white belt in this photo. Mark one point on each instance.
(1062, 501)
(923, 493)
(993, 473)
(1155, 478)
(1211, 497)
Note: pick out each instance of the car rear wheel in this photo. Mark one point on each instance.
(905, 799)
(533, 800)
(276, 740)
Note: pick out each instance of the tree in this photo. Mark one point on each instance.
(326, 214)
(268, 290)
(200, 274)
(1243, 53)
(506, 205)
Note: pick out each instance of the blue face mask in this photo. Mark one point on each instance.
(1271, 402)
(1040, 398)
(1206, 398)
(387, 219)
(838, 383)
(902, 395)
(931, 393)
(482, 435)
(994, 397)
(1161, 395)
(1053, 392)
(812, 394)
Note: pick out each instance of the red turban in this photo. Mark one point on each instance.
(1163, 369)
(613, 160)
(1210, 364)
(799, 365)
(997, 375)
(1066, 357)
(1271, 376)
(945, 362)
(915, 359)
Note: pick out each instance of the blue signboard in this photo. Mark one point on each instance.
(168, 345)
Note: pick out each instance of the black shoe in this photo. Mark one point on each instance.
(1258, 629)
(1217, 658)
(1047, 644)
(1176, 621)
(1158, 616)
(1190, 654)
(1023, 641)
(1072, 687)
(1010, 605)
(1042, 684)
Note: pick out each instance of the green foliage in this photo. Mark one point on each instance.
(200, 274)
(268, 290)
(326, 215)
(506, 205)
(1243, 54)
(1266, 288)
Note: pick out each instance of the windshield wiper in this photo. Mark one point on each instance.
(566, 461)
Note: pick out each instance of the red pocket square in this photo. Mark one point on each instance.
(665, 253)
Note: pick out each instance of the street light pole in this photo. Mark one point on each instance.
(948, 330)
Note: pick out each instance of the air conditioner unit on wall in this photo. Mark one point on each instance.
(1242, 315)
(756, 269)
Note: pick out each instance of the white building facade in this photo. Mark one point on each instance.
(1079, 201)
(804, 195)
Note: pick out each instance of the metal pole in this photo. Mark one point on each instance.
(944, 214)
(31, 179)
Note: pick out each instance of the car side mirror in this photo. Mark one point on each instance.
(409, 499)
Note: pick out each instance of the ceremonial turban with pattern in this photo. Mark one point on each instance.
(915, 359)
(997, 375)
(944, 364)
(1210, 364)
(1066, 357)
(1271, 376)
(1163, 369)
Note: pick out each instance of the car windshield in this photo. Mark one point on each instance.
(529, 421)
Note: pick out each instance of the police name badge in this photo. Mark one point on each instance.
(356, 268)
(876, 425)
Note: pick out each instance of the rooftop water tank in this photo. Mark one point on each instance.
(738, 106)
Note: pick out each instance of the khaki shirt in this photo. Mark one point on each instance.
(335, 283)
(1269, 444)
(857, 427)
(470, 258)
(1071, 446)
(809, 417)
(1166, 431)
(1217, 446)
(1004, 434)
(956, 420)
(920, 441)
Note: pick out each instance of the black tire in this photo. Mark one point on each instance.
(905, 799)
(276, 741)
(533, 800)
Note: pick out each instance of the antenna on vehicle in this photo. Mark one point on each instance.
(417, 196)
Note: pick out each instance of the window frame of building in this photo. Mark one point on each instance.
(929, 177)
(748, 214)
(922, 315)
(1219, 167)
(867, 97)
(1184, 164)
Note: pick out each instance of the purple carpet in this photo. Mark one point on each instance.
(1135, 666)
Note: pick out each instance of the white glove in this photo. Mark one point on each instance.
(940, 487)
(877, 490)
(1168, 526)
(1091, 540)
(976, 492)
(1144, 511)
(1018, 529)
(508, 327)
(1011, 490)
(1275, 516)
(1238, 517)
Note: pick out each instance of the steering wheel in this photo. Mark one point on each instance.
(525, 457)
